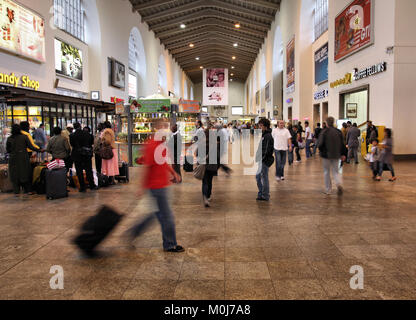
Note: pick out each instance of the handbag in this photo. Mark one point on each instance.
(199, 171)
(106, 152)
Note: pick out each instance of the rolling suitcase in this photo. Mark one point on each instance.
(96, 229)
(56, 184)
(124, 173)
(5, 184)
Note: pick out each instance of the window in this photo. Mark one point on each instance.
(132, 85)
(69, 16)
(321, 17)
(237, 111)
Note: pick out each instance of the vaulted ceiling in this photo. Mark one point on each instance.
(210, 26)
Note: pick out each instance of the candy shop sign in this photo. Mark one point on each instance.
(15, 81)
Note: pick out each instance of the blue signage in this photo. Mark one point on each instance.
(321, 65)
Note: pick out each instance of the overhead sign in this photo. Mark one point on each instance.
(290, 66)
(189, 106)
(15, 81)
(344, 81)
(354, 28)
(152, 106)
(215, 87)
(370, 71)
(321, 64)
(22, 31)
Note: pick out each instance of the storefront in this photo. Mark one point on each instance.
(188, 113)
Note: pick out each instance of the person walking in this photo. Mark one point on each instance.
(175, 146)
(353, 143)
(224, 140)
(69, 163)
(386, 156)
(318, 130)
(82, 156)
(282, 144)
(156, 181)
(309, 140)
(332, 149)
(58, 146)
(110, 167)
(40, 139)
(372, 133)
(97, 147)
(20, 170)
(264, 159)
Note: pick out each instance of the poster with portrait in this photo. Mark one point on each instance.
(215, 87)
(290, 66)
(68, 60)
(22, 31)
(321, 64)
(118, 74)
(354, 28)
(267, 92)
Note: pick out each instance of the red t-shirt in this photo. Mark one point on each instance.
(157, 175)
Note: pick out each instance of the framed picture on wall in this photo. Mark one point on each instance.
(267, 92)
(258, 98)
(352, 110)
(118, 74)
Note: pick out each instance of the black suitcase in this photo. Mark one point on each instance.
(124, 173)
(56, 184)
(96, 229)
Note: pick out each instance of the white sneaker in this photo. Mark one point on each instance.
(278, 179)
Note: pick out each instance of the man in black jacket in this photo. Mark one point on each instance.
(332, 149)
(265, 160)
(82, 153)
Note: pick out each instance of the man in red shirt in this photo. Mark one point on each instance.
(157, 178)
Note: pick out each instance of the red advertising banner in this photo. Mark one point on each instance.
(354, 28)
(290, 66)
(189, 106)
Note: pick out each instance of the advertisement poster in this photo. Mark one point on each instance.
(353, 28)
(68, 60)
(321, 65)
(120, 107)
(118, 75)
(189, 106)
(215, 87)
(152, 106)
(22, 31)
(290, 66)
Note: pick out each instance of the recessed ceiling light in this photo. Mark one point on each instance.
(235, 45)
(234, 58)
(191, 45)
(197, 58)
(232, 67)
(183, 26)
(201, 67)
(232, 74)
(231, 80)
(237, 25)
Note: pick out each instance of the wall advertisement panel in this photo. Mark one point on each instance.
(321, 64)
(68, 60)
(215, 87)
(354, 28)
(290, 66)
(22, 31)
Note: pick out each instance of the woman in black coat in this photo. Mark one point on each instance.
(20, 170)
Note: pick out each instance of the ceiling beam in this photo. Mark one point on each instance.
(219, 63)
(175, 10)
(151, 4)
(214, 48)
(204, 23)
(223, 55)
(206, 13)
(215, 30)
(263, 3)
(241, 9)
(225, 60)
(213, 42)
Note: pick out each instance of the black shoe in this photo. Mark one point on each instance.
(94, 188)
(262, 199)
(83, 190)
(178, 249)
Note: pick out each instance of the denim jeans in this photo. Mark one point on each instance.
(353, 153)
(308, 148)
(315, 147)
(389, 166)
(331, 166)
(207, 183)
(262, 178)
(290, 156)
(165, 217)
(280, 162)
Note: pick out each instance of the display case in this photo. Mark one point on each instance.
(186, 126)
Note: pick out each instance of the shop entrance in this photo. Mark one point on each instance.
(324, 111)
(354, 105)
(316, 114)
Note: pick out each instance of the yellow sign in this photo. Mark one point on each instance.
(15, 81)
(346, 80)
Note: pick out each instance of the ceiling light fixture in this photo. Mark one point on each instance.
(232, 67)
(237, 25)
(183, 26)
(235, 45)
(201, 67)
(197, 58)
(232, 74)
(191, 45)
(234, 58)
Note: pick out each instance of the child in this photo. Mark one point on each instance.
(374, 158)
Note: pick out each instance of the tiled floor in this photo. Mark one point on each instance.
(301, 245)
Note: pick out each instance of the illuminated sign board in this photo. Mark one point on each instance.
(15, 81)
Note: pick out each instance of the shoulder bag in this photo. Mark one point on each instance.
(106, 152)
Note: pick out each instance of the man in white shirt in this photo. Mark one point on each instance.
(282, 143)
(309, 140)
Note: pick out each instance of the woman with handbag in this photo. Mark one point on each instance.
(108, 153)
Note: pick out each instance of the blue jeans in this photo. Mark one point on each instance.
(290, 156)
(389, 166)
(280, 162)
(308, 148)
(165, 217)
(262, 178)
